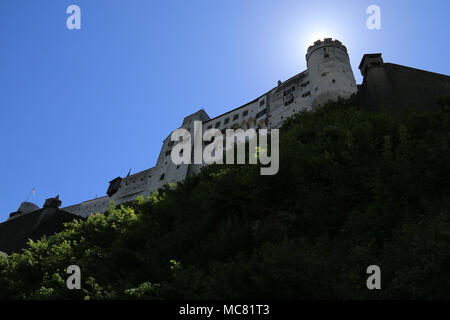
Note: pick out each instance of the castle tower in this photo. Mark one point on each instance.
(330, 72)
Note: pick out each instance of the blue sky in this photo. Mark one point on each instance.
(81, 107)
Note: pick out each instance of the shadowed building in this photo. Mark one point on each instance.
(22, 226)
(388, 86)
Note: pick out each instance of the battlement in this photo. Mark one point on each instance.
(327, 42)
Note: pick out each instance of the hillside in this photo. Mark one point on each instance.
(354, 189)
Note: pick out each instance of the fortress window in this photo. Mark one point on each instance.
(245, 113)
(287, 92)
(162, 177)
(326, 55)
(209, 127)
(289, 100)
(261, 103)
(306, 94)
(178, 166)
(226, 121)
(260, 114)
(167, 153)
(304, 84)
(334, 81)
(236, 116)
(217, 124)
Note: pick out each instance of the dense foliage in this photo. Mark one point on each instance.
(354, 189)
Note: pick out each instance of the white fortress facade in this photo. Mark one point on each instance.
(328, 76)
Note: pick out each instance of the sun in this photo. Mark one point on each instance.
(319, 32)
(313, 37)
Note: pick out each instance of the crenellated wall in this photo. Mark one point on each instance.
(330, 72)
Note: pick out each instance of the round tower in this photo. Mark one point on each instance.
(330, 72)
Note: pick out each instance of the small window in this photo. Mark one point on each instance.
(162, 177)
(260, 114)
(261, 103)
(288, 92)
(217, 124)
(236, 116)
(306, 94)
(168, 153)
(209, 127)
(334, 81)
(304, 84)
(326, 55)
(226, 121)
(178, 166)
(289, 100)
(245, 113)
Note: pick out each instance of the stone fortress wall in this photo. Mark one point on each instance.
(329, 76)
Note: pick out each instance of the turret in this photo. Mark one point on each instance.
(330, 72)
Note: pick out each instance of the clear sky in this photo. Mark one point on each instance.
(81, 107)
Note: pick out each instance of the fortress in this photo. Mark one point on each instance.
(328, 76)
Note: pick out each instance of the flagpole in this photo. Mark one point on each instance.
(32, 191)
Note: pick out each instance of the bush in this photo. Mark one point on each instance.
(353, 189)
